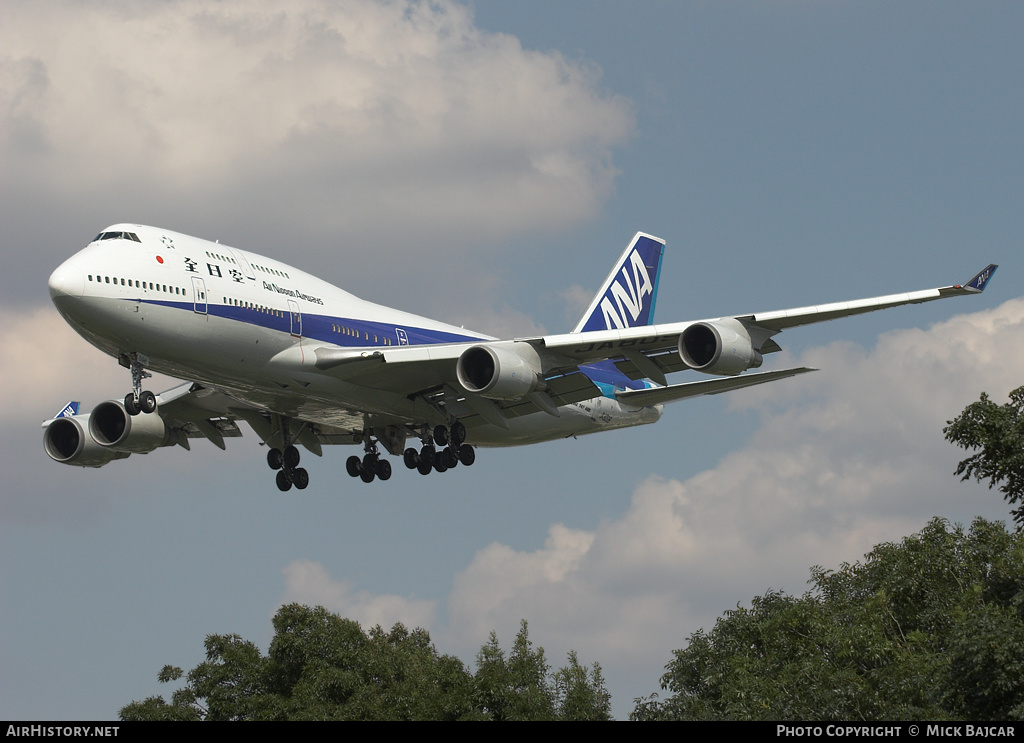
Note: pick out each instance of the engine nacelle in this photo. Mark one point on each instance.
(721, 347)
(67, 440)
(500, 372)
(111, 427)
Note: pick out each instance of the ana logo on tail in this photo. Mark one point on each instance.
(626, 299)
(632, 302)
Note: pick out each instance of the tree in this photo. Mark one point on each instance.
(323, 667)
(931, 628)
(998, 431)
(522, 687)
(320, 666)
(580, 693)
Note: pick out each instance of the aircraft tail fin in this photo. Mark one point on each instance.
(69, 410)
(977, 284)
(627, 297)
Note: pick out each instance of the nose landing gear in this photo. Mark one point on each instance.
(138, 400)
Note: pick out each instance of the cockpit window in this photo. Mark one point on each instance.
(117, 236)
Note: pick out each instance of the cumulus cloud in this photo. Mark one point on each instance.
(53, 365)
(308, 582)
(43, 342)
(852, 458)
(312, 112)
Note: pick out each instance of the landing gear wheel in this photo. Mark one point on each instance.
(424, 467)
(353, 466)
(449, 458)
(284, 483)
(130, 406)
(383, 470)
(370, 463)
(291, 457)
(411, 458)
(301, 478)
(366, 476)
(427, 455)
(275, 458)
(457, 434)
(440, 435)
(439, 464)
(147, 402)
(467, 455)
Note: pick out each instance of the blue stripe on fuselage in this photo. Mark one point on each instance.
(322, 327)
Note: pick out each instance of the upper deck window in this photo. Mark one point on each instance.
(117, 236)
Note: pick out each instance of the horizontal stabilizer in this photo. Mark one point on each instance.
(657, 395)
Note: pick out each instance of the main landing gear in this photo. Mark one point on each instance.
(138, 400)
(442, 449)
(440, 460)
(286, 462)
(430, 457)
(371, 465)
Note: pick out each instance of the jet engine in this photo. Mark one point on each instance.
(67, 440)
(500, 372)
(720, 347)
(111, 427)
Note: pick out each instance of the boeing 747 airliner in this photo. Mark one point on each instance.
(303, 362)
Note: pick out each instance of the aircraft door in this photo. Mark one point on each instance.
(242, 263)
(198, 295)
(296, 318)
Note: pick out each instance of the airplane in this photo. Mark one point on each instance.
(303, 362)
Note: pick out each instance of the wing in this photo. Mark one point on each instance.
(186, 412)
(726, 345)
(506, 378)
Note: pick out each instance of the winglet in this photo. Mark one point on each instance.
(979, 282)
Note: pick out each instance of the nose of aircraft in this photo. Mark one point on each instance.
(67, 281)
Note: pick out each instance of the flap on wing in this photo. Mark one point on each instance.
(657, 395)
(200, 412)
(562, 389)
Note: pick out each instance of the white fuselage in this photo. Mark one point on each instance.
(249, 326)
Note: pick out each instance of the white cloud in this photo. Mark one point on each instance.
(855, 456)
(44, 363)
(308, 582)
(312, 111)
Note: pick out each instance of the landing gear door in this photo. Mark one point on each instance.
(199, 295)
(296, 318)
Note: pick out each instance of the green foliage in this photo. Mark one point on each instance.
(998, 432)
(522, 687)
(323, 667)
(580, 693)
(931, 628)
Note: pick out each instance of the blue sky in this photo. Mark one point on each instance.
(485, 164)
